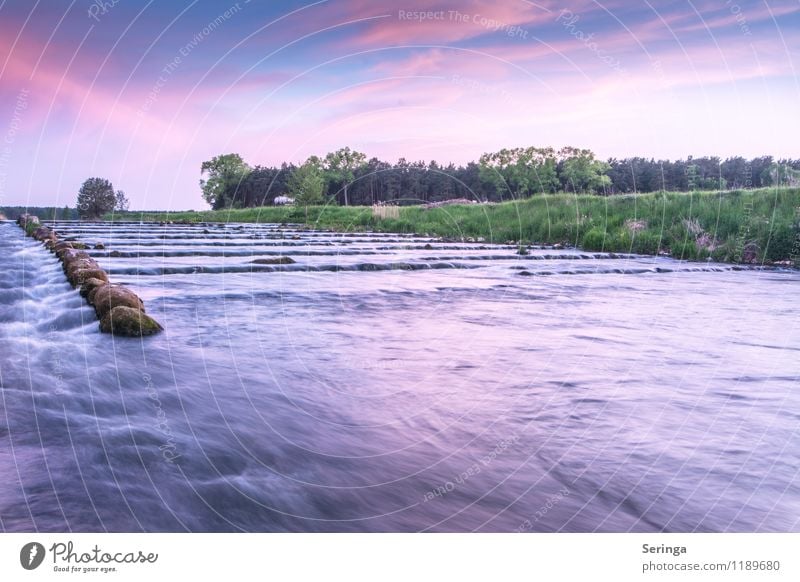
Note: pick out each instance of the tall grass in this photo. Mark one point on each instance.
(737, 226)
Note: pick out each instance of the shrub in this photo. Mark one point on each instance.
(685, 250)
(781, 241)
(594, 240)
(646, 243)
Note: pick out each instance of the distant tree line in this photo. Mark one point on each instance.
(348, 177)
(96, 197)
(43, 212)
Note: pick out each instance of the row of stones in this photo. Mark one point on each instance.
(119, 309)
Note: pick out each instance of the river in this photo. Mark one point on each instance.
(395, 383)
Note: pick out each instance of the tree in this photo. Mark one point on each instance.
(341, 165)
(520, 171)
(581, 172)
(223, 172)
(122, 203)
(95, 198)
(306, 184)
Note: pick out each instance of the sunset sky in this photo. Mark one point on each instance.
(142, 92)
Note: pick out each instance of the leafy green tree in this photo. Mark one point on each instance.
(340, 166)
(122, 203)
(307, 184)
(95, 198)
(581, 172)
(782, 174)
(520, 171)
(223, 172)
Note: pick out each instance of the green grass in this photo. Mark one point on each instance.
(761, 225)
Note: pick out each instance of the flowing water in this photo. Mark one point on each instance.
(395, 383)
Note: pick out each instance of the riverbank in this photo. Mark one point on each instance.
(753, 226)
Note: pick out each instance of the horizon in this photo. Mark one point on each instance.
(143, 95)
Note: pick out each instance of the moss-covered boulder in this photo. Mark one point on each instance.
(43, 233)
(79, 277)
(79, 265)
(107, 297)
(127, 321)
(70, 254)
(29, 222)
(62, 245)
(73, 268)
(92, 292)
(91, 284)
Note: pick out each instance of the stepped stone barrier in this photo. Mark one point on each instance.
(120, 310)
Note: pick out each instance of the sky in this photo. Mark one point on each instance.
(142, 92)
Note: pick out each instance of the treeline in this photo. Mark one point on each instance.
(347, 177)
(706, 173)
(43, 212)
(95, 198)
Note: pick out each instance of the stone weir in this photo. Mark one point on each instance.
(120, 310)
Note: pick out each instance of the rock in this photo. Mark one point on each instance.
(69, 256)
(79, 264)
(428, 247)
(115, 254)
(25, 220)
(274, 261)
(79, 245)
(750, 253)
(79, 277)
(43, 233)
(99, 247)
(90, 295)
(91, 284)
(107, 297)
(127, 321)
(62, 245)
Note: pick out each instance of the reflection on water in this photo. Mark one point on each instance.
(395, 383)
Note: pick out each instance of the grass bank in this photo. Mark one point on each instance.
(738, 226)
